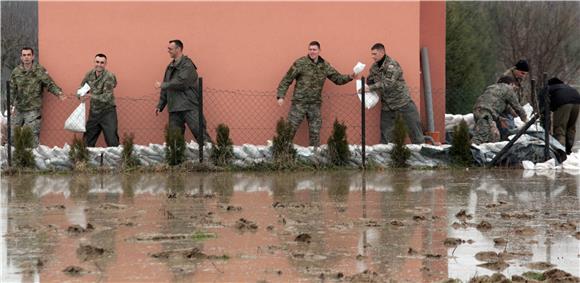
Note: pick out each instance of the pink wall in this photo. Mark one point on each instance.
(242, 51)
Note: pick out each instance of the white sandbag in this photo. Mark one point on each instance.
(83, 90)
(371, 98)
(76, 120)
(358, 68)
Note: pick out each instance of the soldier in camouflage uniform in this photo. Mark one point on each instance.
(494, 100)
(519, 72)
(386, 79)
(310, 73)
(28, 81)
(179, 92)
(103, 111)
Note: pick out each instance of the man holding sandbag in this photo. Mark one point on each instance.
(103, 111)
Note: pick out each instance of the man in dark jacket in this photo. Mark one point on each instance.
(179, 92)
(565, 103)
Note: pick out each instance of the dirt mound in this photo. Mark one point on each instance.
(89, 252)
(560, 276)
(495, 266)
(76, 230)
(495, 278)
(453, 242)
(303, 238)
(112, 206)
(246, 225)
(366, 276)
(462, 215)
(500, 241)
(397, 223)
(192, 253)
(515, 215)
(74, 270)
(483, 226)
(525, 231)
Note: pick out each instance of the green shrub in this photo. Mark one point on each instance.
(461, 146)
(283, 150)
(78, 154)
(175, 146)
(128, 160)
(337, 145)
(223, 151)
(400, 153)
(23, 143)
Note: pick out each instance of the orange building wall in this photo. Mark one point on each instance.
(245, 47)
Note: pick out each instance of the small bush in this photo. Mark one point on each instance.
(223, 151)
(337, 145)
(400, 153)
(78, 154)
(461, 146)
(283, 150)
(127, 158)
(175, 146)
(23, 143)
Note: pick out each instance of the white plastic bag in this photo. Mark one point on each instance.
(76, 121)
(83, 90)
(371, 98)
(359, 67)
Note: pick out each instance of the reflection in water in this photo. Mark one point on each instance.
(310, 225)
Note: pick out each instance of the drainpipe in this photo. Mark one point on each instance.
(428, 94)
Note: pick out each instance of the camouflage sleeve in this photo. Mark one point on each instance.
(49, 83)
(336, 77)
(290, 76)
(512, 100)
(108, 86)
(387, 80)
(182, 79)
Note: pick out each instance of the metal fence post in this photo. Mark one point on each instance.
(8, 125)
(363, 123)
(200, 141)
(547, 120)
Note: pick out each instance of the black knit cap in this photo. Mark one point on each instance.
(522, 65)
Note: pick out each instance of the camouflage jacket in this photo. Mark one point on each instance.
(102, 97)
(27, 87)
(496, 98)
(310, 78)
(523, 92)
(179, 90)
(386, 79)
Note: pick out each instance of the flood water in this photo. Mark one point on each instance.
(287, 227)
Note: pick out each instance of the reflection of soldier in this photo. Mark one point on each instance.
(103, 113)
(310, 72)
(28, 81)
(386, 78)
(494, 100)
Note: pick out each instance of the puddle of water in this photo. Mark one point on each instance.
(289, 227)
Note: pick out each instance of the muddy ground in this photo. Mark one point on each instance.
(403, 226)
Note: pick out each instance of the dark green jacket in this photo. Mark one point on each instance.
(102, 97)
(310, 78)
(26, 87)
(179, 90)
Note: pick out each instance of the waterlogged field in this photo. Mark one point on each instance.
(344, 226)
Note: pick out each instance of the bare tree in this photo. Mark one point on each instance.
(547, 34)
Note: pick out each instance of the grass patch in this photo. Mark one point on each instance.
(202, 236)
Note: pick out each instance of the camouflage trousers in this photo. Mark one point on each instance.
(412, 121)
(313, 117)
(30, 119)
(485, 127)
(564, 125)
